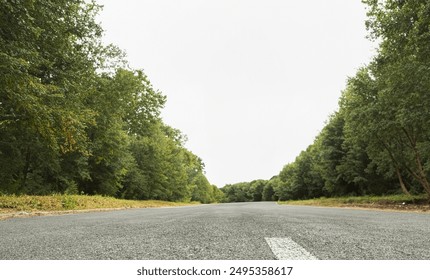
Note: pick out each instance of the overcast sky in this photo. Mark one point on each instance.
(250, 82)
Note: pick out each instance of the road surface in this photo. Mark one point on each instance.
(259, 230)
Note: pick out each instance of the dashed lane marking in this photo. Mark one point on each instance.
(287, 249)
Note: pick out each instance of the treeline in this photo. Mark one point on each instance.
(74, 118)
(257, 190)
(378, 142)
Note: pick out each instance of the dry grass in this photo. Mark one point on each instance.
(27, 203)
(391, 202)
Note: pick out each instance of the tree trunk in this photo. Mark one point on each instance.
(25, 169)
(423, 178)
(419, 174)
(402, 184)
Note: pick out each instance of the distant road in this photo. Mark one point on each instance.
(259, 230)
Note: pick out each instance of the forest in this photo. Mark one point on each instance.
(378, 141)
(76, 119)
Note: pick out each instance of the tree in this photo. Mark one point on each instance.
(269, 193)
(75, 118)
(239, 192)
(301, 179)
(125, 105)
(45, 71)
(385, 103)
(373, 116)
(257, 189)
(336, 159)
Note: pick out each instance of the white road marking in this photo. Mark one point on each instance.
(287, 249)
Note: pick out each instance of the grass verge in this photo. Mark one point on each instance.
(10, 205)
(389, 202)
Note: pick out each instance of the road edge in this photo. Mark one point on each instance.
(25, 214)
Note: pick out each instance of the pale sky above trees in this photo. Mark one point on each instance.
(251, 83)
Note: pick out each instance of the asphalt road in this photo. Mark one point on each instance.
(224, 231)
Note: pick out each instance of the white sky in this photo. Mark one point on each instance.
(250, 82)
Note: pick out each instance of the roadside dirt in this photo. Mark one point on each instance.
(25, 214)
(7, 214)
(390, 207)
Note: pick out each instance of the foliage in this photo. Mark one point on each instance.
(74, 118)
(257, 190)
(378, 142)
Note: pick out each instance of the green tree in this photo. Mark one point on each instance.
(239, 192)
(257, 189)
(334, 155)
(269, 193)
(302, 178)
(46, 70)
(74, 118)
(385, 103)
